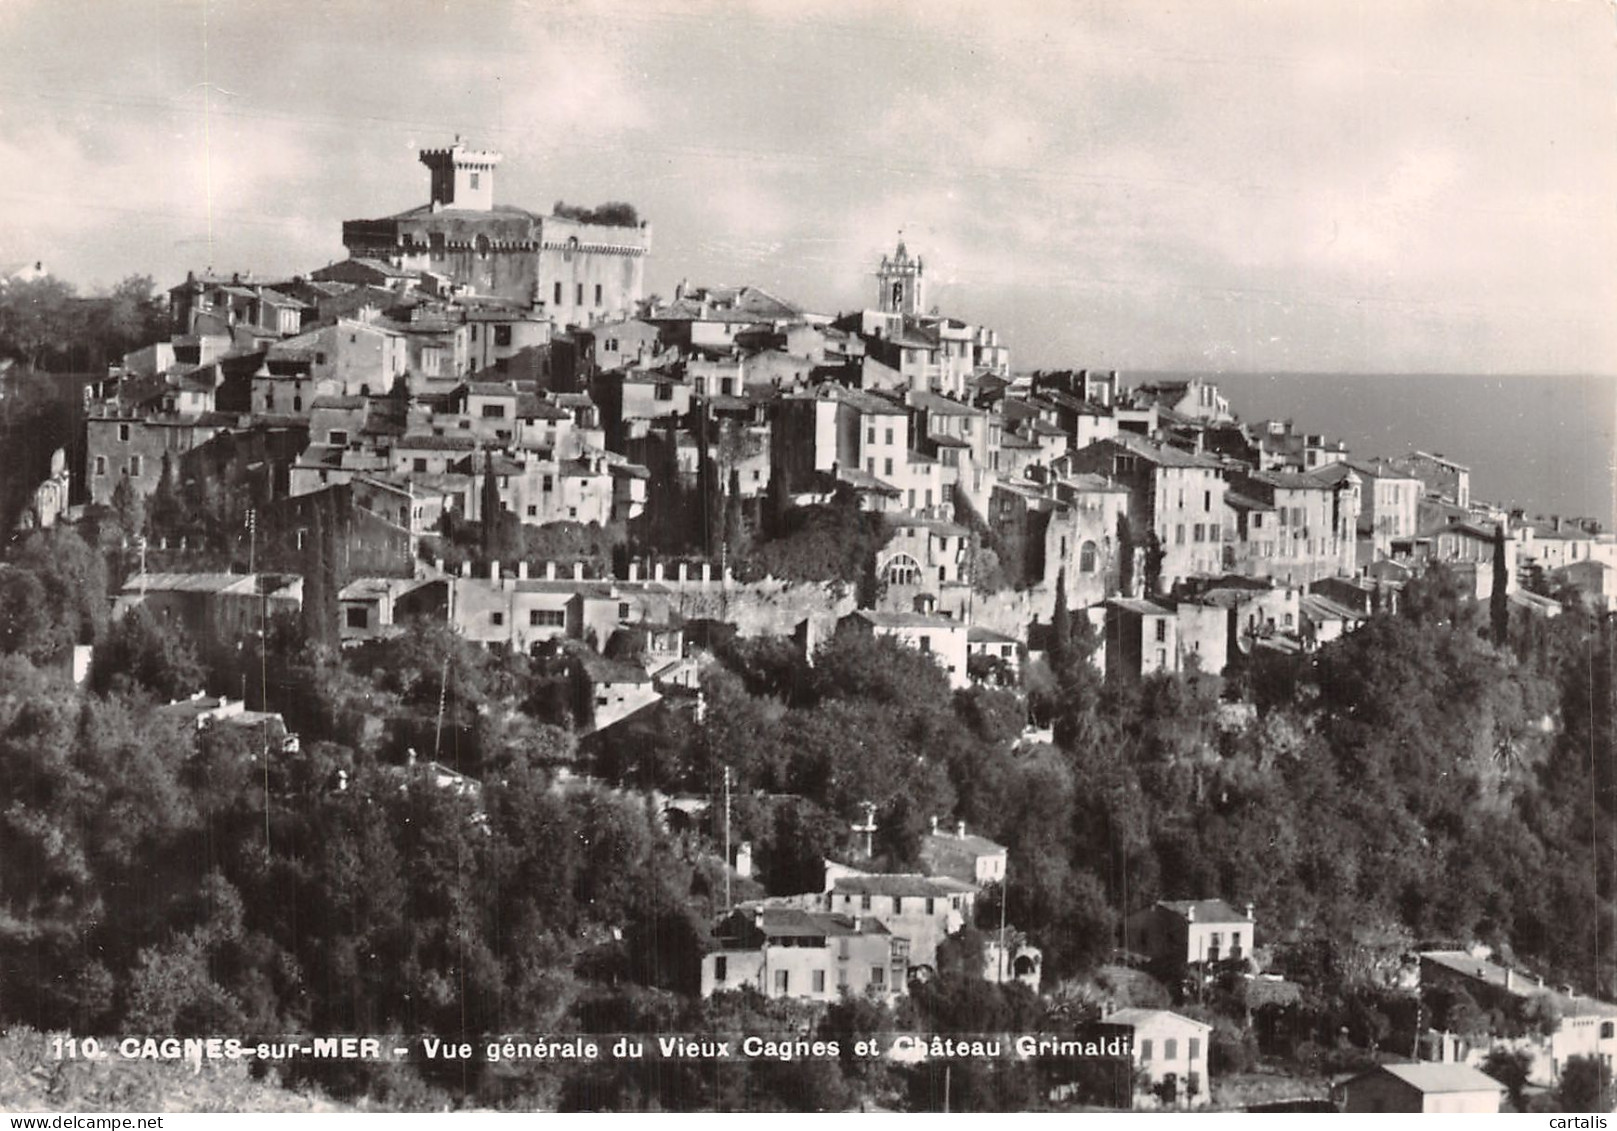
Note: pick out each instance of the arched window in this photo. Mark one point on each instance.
(1086, 558)
(902, 570)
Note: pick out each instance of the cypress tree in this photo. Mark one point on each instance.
(491, 507)
(1498, 605)
(1060, 623)
(316, 575)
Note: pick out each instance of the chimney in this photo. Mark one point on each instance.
(438, 565)
(494, 570)
(1190, 914)
(934, 826)
(1510, 980)
(550, 571)
(522, 571)
(960, 829)
(1249, 911)
(578, 571)
(465, 569)
(634, 571)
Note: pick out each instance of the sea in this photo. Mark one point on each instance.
(1545, 444)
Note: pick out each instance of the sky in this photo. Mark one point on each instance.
(1395, 186)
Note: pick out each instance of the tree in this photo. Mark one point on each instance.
(128, 508)
(1154, 555)
(1585, 1085)
(491, 508)
(145, 652)
(37, 318)
(1498, 603)
(320, 605)
(1125, 555)
(1511, 1068)
(1060, 624)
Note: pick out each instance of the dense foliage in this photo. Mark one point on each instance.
(1412, 783)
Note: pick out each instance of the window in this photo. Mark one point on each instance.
(931, 905)
(432, 360)
(864, 903)
(1607, 1029)
(888, 467)
(337, 438)
(558, 294)
(1179, 535)
(134, 465)
(623, 610)
(1162, 657)
(419, 465)
(1145, 1050)
(878, 976)
(1195, 1047)
(721, 968)
(870, 434)
(1257, 522)
(1198, 533)
(783, 981)
(494, 412)
(297, 404)
(496, 618)
(1170, 1048)
(1207, 500)
(123, 433)
(1086, 558)
(1162, 631)
(597, 294)
(898, 905)
(547, 618)
(665, 392)
(842, 976)
(472, 183)
(549, 483)
(502, 335)
(100, 465)
(320, 355)
(578, 295)
(533, 511)
(889, 436)
(819, 981)
(925, 643)
(357, 616)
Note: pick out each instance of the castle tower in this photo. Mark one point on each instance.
(461, 178)
(901, 283)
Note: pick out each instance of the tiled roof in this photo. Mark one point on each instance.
(889, 884)
(905, 620)
(1433, 1078)
(1136, 1017)
(941, 405)
(420, 442)
(1162, 454)
(1207, 910)
(977, 634)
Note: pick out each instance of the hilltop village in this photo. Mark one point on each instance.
(575, 659)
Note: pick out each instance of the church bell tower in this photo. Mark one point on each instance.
(901, 283)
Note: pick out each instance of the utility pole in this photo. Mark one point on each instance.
(1004, 898)
(727, 840)
(443, 691)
